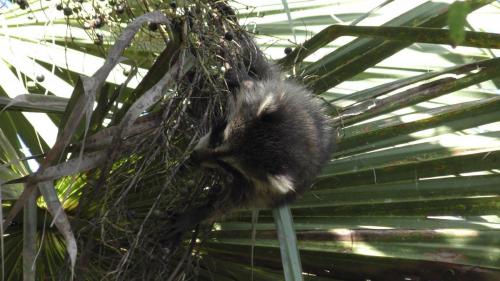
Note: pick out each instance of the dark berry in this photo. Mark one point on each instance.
(228, 36)
(23, 4)
(99, 39)
(40, 78)
(120, 9)
(67, 11)
(173, 4)
(98, 22)
(153, 26)
(288, 50)
(59, 6)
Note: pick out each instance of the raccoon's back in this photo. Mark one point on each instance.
(287, 145)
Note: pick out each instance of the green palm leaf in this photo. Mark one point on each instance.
(410, 194)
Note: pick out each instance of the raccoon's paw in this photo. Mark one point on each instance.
(281, 183)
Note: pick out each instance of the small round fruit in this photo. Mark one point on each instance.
(23, 4)
(67, 11)
(153, 26)
(98, 22)
(99, 40)
(228, 36)
(120, 9)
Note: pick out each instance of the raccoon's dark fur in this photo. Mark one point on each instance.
(274, 140)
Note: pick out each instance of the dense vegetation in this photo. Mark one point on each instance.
(411, 192)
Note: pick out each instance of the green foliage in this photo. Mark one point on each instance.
(411, 192)
(457, 19)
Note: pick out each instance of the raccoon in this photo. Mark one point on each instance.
(273, 142)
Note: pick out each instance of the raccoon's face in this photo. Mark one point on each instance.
(209, 148)
(251, 126)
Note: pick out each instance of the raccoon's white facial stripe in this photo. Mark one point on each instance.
(233, 124)
(265, 104)
(226, 132)
(282, 95)
(203, 142)
(281, 183)
(248, 84)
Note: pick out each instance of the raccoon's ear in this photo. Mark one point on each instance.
(268, 110)
(247, 84)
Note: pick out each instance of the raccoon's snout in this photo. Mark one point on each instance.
(200, 156)
(204, 154)
(210, 149)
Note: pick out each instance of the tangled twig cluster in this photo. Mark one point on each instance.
(128, 219)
